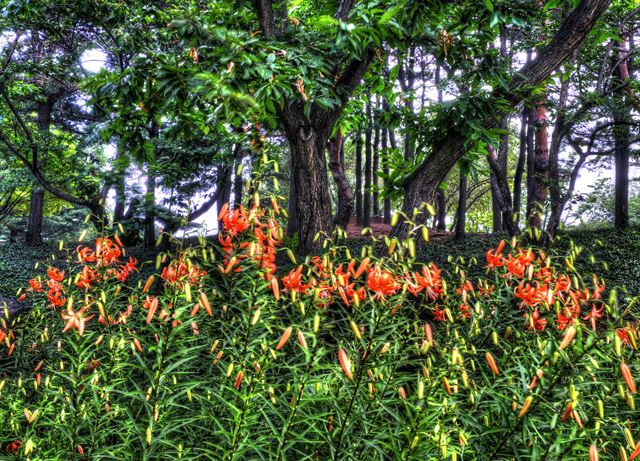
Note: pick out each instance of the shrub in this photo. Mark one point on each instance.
(220, 356)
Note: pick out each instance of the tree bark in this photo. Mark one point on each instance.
(358, 174)
(345, 194)
(33, 236)
(520, 166)
(461, 213)
(366, 206)
(421, 186)
(149, 240)
(375, 166)
(621, 134)
(385, 171)
(539, 184)
(238, 183)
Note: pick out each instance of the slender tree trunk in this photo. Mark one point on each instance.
(556, 196)
(520, 166)
(345, 194)
(531, 131)
(366, 208)
(374, 174)
(622, 136)
(385, 171)
(358, 174)
(441, 210)
(441, 198)
(120, 186)
(461, 213)
(150, 195)
(421, 186)
(238, 183)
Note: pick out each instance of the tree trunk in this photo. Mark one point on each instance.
(539, 184)
(345, 194)
(366, 208)
(33, 235)
(358, 174)
(422, 184)
(520, 166)
(461, 213)
(622, 136)
(441, 210)
(312, 203)
(385, 171)
(150, 194)
(120, 186)
(238, 182)
(556, 195)
(374, 173)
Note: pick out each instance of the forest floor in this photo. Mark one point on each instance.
(379, 229)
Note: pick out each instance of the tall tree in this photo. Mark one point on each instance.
(422, 184)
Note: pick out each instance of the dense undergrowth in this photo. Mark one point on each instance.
(222, 354)
(620, 249)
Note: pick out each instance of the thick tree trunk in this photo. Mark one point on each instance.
(461, 213)
(345, 194)
(366, 206)
(33, 235)
(422, 185)
(308, 167)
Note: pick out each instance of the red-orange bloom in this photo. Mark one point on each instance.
(87, 277)
(515, 267)
(293, 281)
(494, 259)
(234, 221)
(428, 280)
(595, 314)
(55, 274)
(75, 320)
(382, 282)
(535, 322)
(35, 285)
(438, 314)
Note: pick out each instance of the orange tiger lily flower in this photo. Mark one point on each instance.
(75, 320)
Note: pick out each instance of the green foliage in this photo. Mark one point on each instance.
(221, 356)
